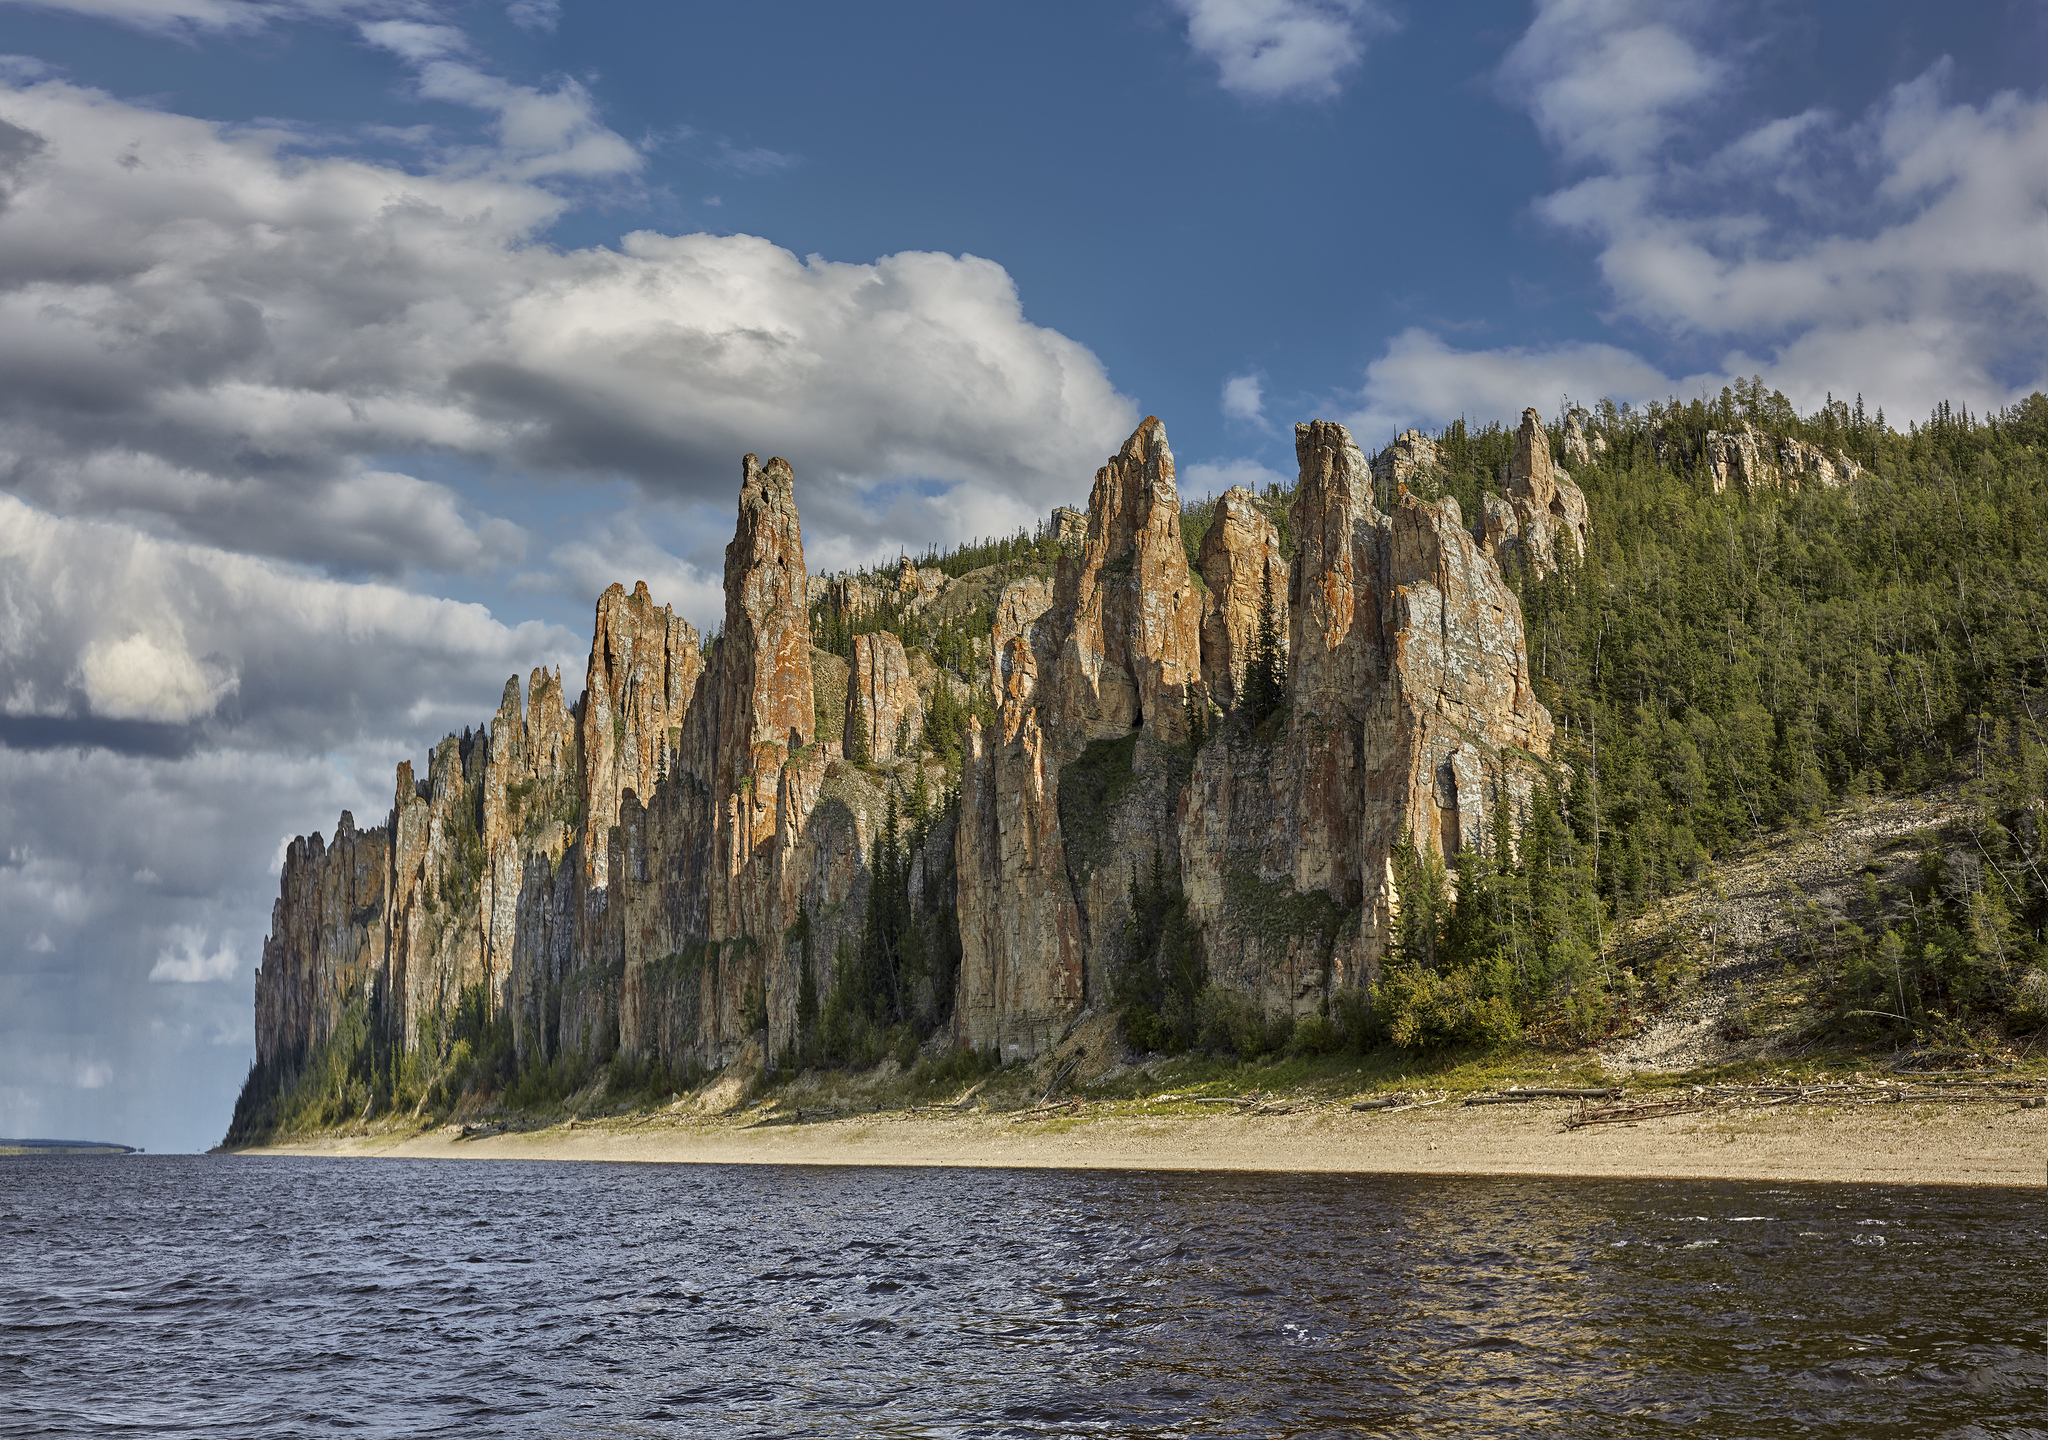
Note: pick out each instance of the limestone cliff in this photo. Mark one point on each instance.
(1241, 564)
(1581, 445)
(1411, 711)
(882, 705)
(1103, 674)
(1751, 462)
(1411, 455)
(669, 864)
(1543, 508)
(616, 873)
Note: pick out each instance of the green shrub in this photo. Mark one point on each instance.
(1357, 1021)
(1425, 1009)
(1160, 981)
(1232, 1024)
(956, 1067)
(1315, 1035)
(2029, 1007)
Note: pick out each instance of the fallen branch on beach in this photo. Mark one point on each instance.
(1394, 1104)
(1386, 1102)
(1071, 1106)
(1516, 1095)
(1974, 1090)
(1644, 1110)
(1060, 1076)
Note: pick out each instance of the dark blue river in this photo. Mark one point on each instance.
(274, 1297)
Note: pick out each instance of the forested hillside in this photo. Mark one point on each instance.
(1721, 665)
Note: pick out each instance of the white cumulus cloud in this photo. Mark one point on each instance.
(1244, 399)
(1420, 380)
(1901, 252)
(198, 324)
(1281, 49)
(184, 959)
(100, 619)
(1607, 80)
(150, 677)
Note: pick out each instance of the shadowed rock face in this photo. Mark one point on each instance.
(631, 868)
(326, 933)
(644, 664)
(554, 860)
(1239, 559)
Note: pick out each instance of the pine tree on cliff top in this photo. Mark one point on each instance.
(1265, 668)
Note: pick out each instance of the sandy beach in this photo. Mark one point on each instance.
(1921, 1145)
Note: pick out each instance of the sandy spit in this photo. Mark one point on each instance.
(1914, 1145)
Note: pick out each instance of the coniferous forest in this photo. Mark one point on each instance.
(1722, 666)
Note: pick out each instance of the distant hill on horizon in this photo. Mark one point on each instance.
(66, 1147)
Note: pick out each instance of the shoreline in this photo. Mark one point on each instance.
(1932, 1144)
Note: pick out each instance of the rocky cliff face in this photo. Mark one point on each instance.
(1580, 444)
(1241, 564)
(663, 865)
(1412, 454)
(620, 872)
(1542, 509)
(326, 934)
(1752, 462)
(882, 706)
(1411, 712)
(1103, 674)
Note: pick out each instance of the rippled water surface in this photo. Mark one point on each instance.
(186, 1295)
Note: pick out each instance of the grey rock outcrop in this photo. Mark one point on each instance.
(1411, 455)
(1542, 510)
(1068, 526)
(1241, 564)
(882, 708)
(1412, 712)
(1580, 444)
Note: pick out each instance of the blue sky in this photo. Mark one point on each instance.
(348, 348)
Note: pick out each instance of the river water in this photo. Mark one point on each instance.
(265, 1297)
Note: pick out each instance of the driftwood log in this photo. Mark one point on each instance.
(1642, 1110)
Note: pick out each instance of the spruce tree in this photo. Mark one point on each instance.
(1265, 668)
